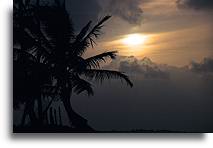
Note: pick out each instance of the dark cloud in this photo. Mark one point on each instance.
(206, 66)
(128, 10)
(143, 68)
(82, 11)
(196, 4)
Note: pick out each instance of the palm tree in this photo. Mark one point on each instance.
(59, 51)
(27, 69)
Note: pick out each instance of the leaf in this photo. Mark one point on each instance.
(101, 75)
(94, 62)
(19, 54)
(95, 32)
(83, 32)
(88, 40)
(81, 85)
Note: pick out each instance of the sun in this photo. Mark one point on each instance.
(134, 39)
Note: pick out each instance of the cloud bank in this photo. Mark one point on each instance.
(143, 68)
(196, 4)
(181, 101)
(206, 66)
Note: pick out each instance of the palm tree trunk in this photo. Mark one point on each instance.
(40, 113)
(55, 117)
(51, 117)
(75, 119)
(33, 118)
(29, 110)
(59, 114)
(24, 114)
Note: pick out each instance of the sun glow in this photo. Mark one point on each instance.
(134, 39)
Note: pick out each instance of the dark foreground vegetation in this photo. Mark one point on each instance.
(48, 65)
(67, 129)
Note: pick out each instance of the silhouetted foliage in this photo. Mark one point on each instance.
(48, 61)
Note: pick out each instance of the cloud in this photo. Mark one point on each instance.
(195, 4)
(143, 68)
(182, 102)
(206, 66)
(128, 10)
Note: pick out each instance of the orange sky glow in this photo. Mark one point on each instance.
(168, 35)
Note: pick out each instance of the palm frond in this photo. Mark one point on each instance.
(80, 85)
(95, 32)
(83, 32)
(101, 75)
(94, 62)
(38, 42)
(23, 55)
(78, 43)
(89, 38)
(56, 25)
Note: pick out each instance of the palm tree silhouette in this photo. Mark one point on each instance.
(53, 57)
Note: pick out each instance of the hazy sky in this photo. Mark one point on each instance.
(177, 32)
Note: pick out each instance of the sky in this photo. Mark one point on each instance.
(171, 68)
(163, 98)
(177, 31)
